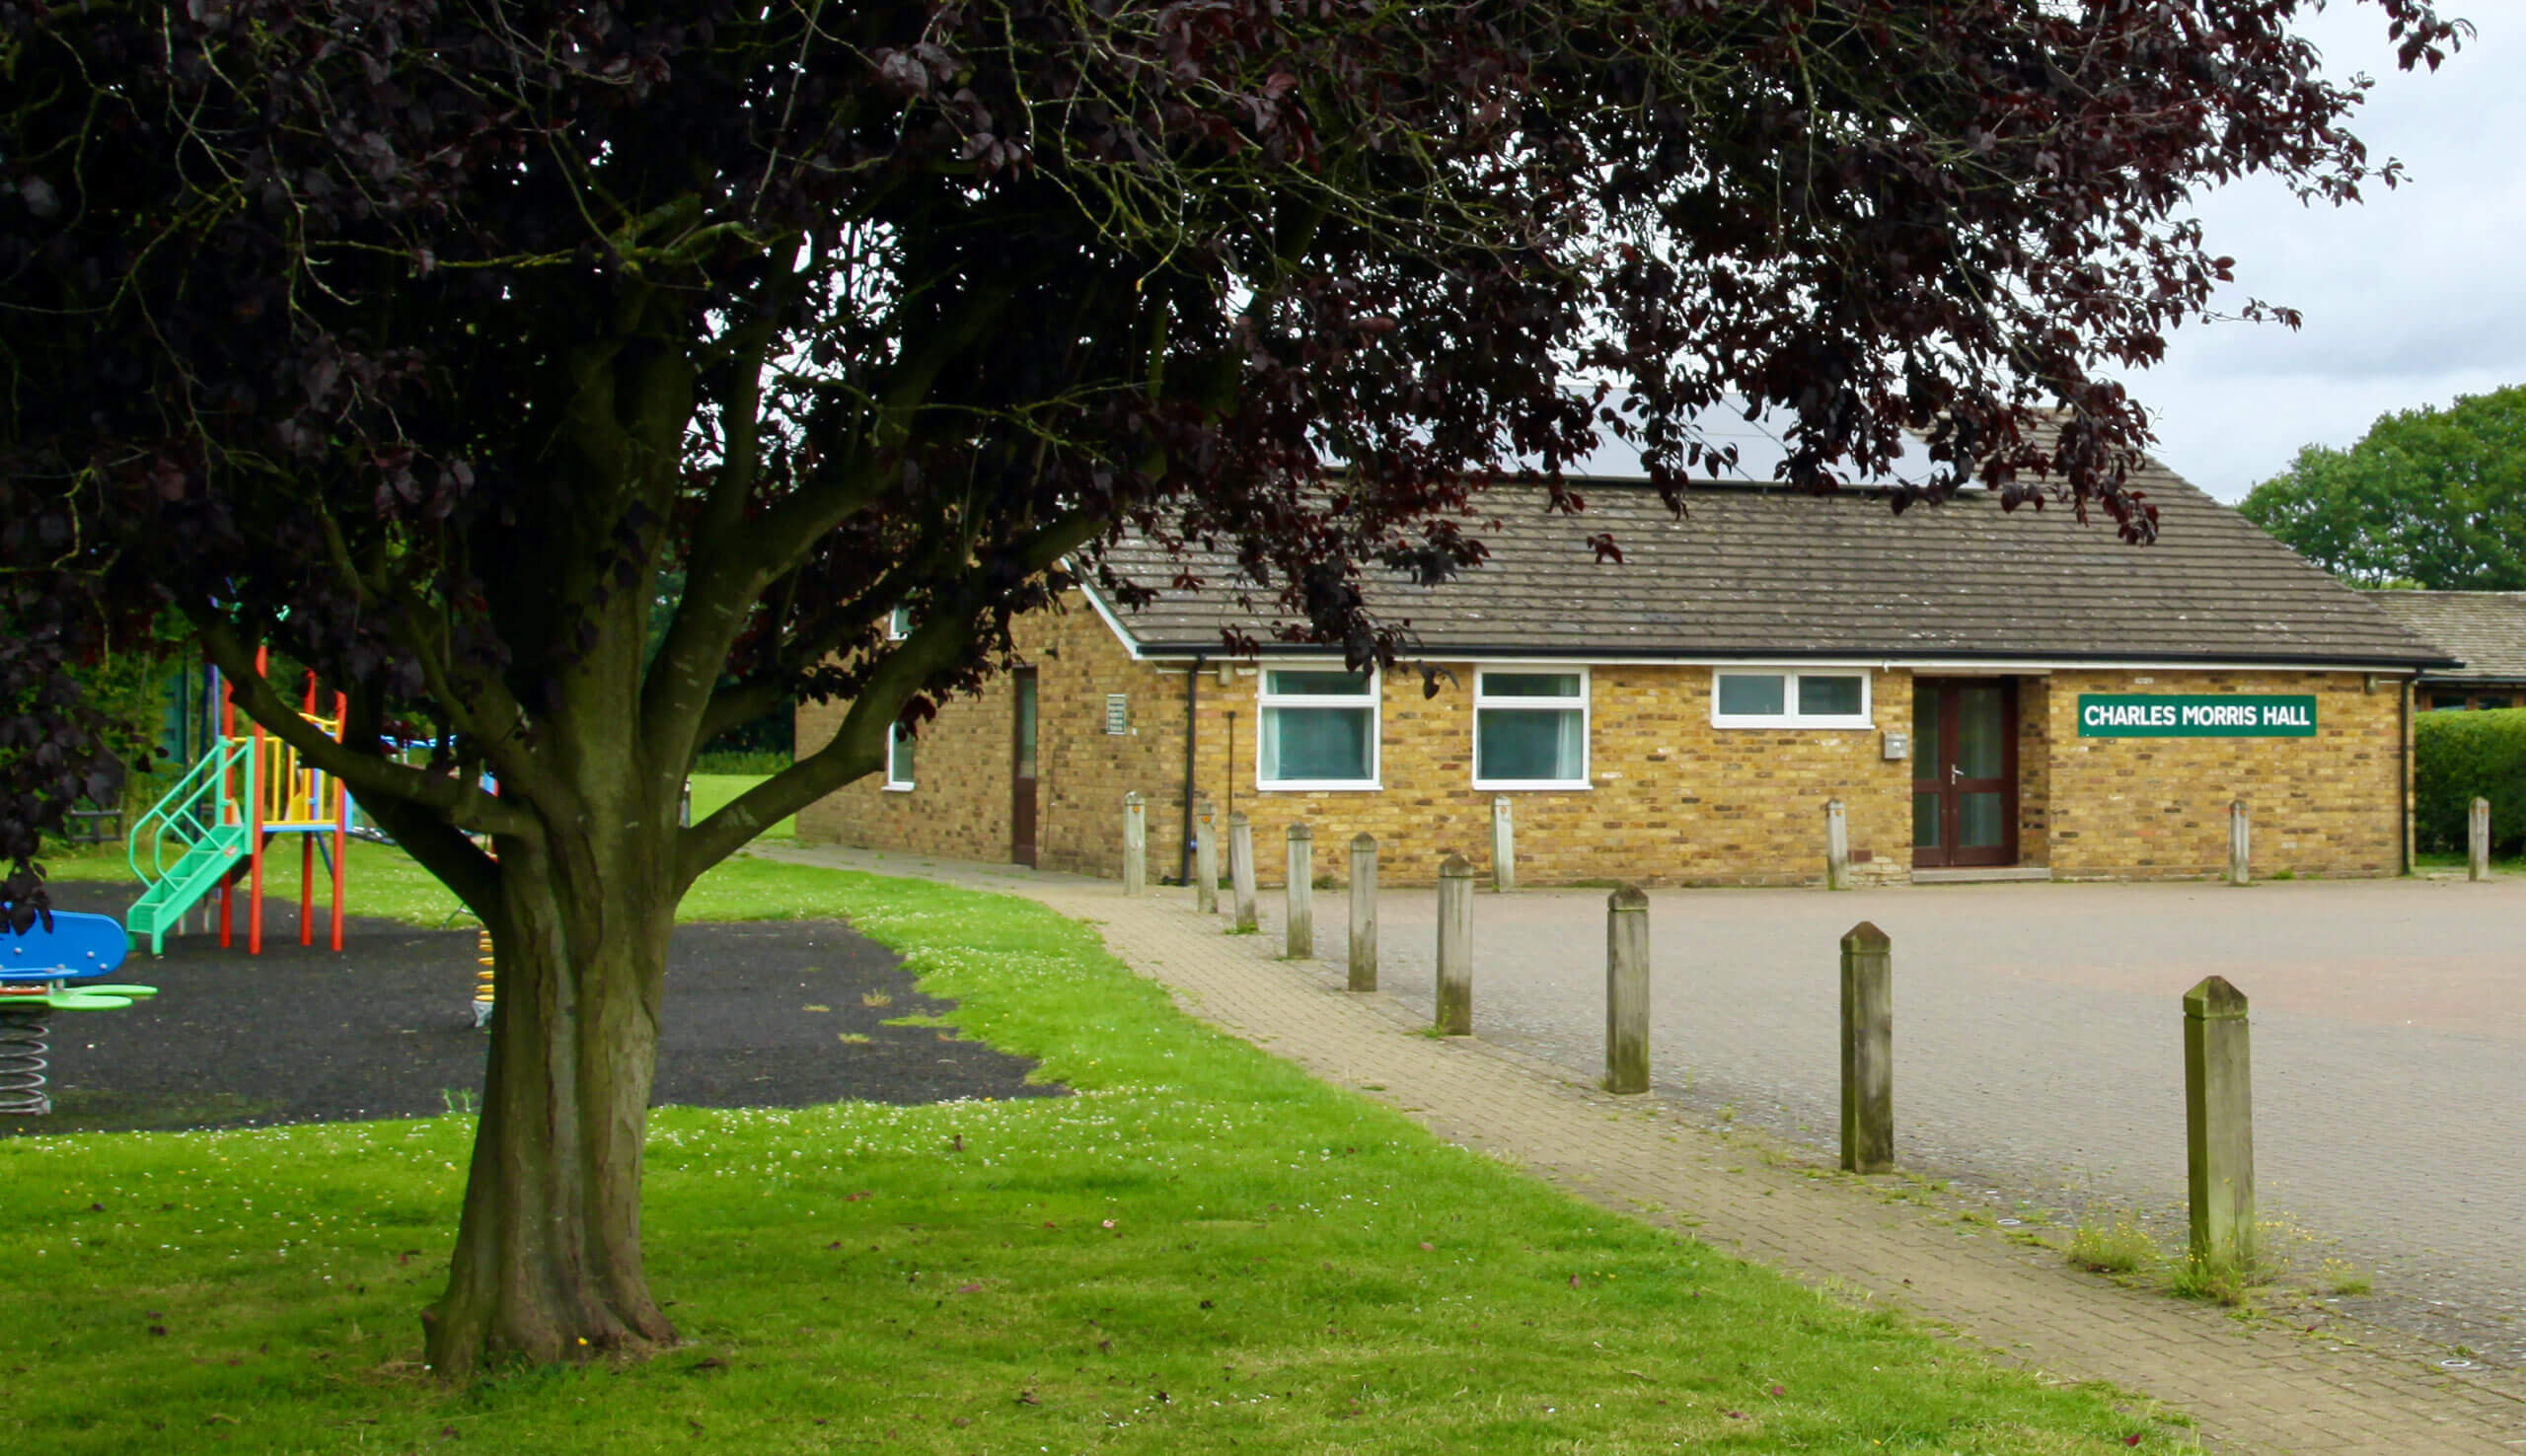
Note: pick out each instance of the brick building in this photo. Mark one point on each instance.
(1988, 694)
(2486, 629)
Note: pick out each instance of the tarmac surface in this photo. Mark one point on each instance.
(2038, 1047)
(786, 1013)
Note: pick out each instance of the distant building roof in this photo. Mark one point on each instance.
(1760, 573)
(2488, 629)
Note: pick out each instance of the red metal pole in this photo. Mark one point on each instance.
(306, 889)
(261, 789)
(342, 821)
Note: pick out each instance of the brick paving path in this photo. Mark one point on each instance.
(2250, 1386)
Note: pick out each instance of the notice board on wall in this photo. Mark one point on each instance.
(2196, 715)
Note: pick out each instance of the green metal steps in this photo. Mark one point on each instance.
(199, 819)
(203, 866)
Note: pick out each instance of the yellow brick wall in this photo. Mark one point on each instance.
(2034, 770)
(2157, 808)
(1674, 801)
(960, 804)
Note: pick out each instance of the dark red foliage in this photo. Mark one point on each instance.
(428, 340)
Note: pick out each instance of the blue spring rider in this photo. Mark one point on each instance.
(46, 971)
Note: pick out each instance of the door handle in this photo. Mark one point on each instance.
(1955, 773)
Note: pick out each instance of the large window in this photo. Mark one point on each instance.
(1531, 728)
(1320, 729)
(1808, 698)
(898, 757)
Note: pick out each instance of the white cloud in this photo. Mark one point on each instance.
(2412, 298)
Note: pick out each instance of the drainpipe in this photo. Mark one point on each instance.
(1191, 702)
(2403, 768)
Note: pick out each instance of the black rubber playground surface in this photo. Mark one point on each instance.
(765, 1015)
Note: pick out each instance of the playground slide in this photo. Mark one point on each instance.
(223, 817)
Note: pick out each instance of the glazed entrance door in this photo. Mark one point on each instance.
(1963, 771)
(1021, 769)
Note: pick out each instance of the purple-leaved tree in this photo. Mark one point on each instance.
(442, 345)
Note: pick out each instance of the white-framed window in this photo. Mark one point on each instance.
(898, 623)
(1318, 728)
(1530, 727)
(1789, 698)
(899, 747)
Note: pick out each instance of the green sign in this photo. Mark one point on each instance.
(2196, 715)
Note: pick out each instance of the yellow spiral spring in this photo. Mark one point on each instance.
(484, 991)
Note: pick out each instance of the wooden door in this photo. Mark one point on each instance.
(1963, 771)
(1021, 769)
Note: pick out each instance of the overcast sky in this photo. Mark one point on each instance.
(2414, 297)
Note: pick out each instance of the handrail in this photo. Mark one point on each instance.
(175, 812)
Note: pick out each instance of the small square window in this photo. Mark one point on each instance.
(1821, 696)
(1318, 729)
(1775, 697)
(1754, 695)
(1530, 729)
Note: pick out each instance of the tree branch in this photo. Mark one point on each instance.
(730, 568)
(462, 805)
(857, 746)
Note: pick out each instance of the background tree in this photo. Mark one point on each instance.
(2428, 497)
(425, 338)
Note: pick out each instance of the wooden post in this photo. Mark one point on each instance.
(1363, 913)
(1627, 991)
(1135, 844)
(2478, 841)
(1206, 860)
(2240, 845)
(1868, 1050)
(2218, 1122)
(1837, 846)
(1240, 868)
(1504, 846)
(1455, 947)
(1298, 925)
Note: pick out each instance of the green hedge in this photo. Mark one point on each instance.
(2457, 755)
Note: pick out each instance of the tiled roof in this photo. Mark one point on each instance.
(2488, 629)
(1755, 571)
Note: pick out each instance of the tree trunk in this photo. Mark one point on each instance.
(547, 1257)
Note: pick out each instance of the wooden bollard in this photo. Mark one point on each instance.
(1206, 860)
(1363, 913)
(1455, 947)
(2218, 1122)
(1135, 844)
(1627, 991)
(1298, 924)
(2240, 845)
(1240, 868)
(1868, 1050)
(1504, 846)
(1837, 846)
(2478, 841)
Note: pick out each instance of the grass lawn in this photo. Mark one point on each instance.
(1201, 1249)
(712, 791)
